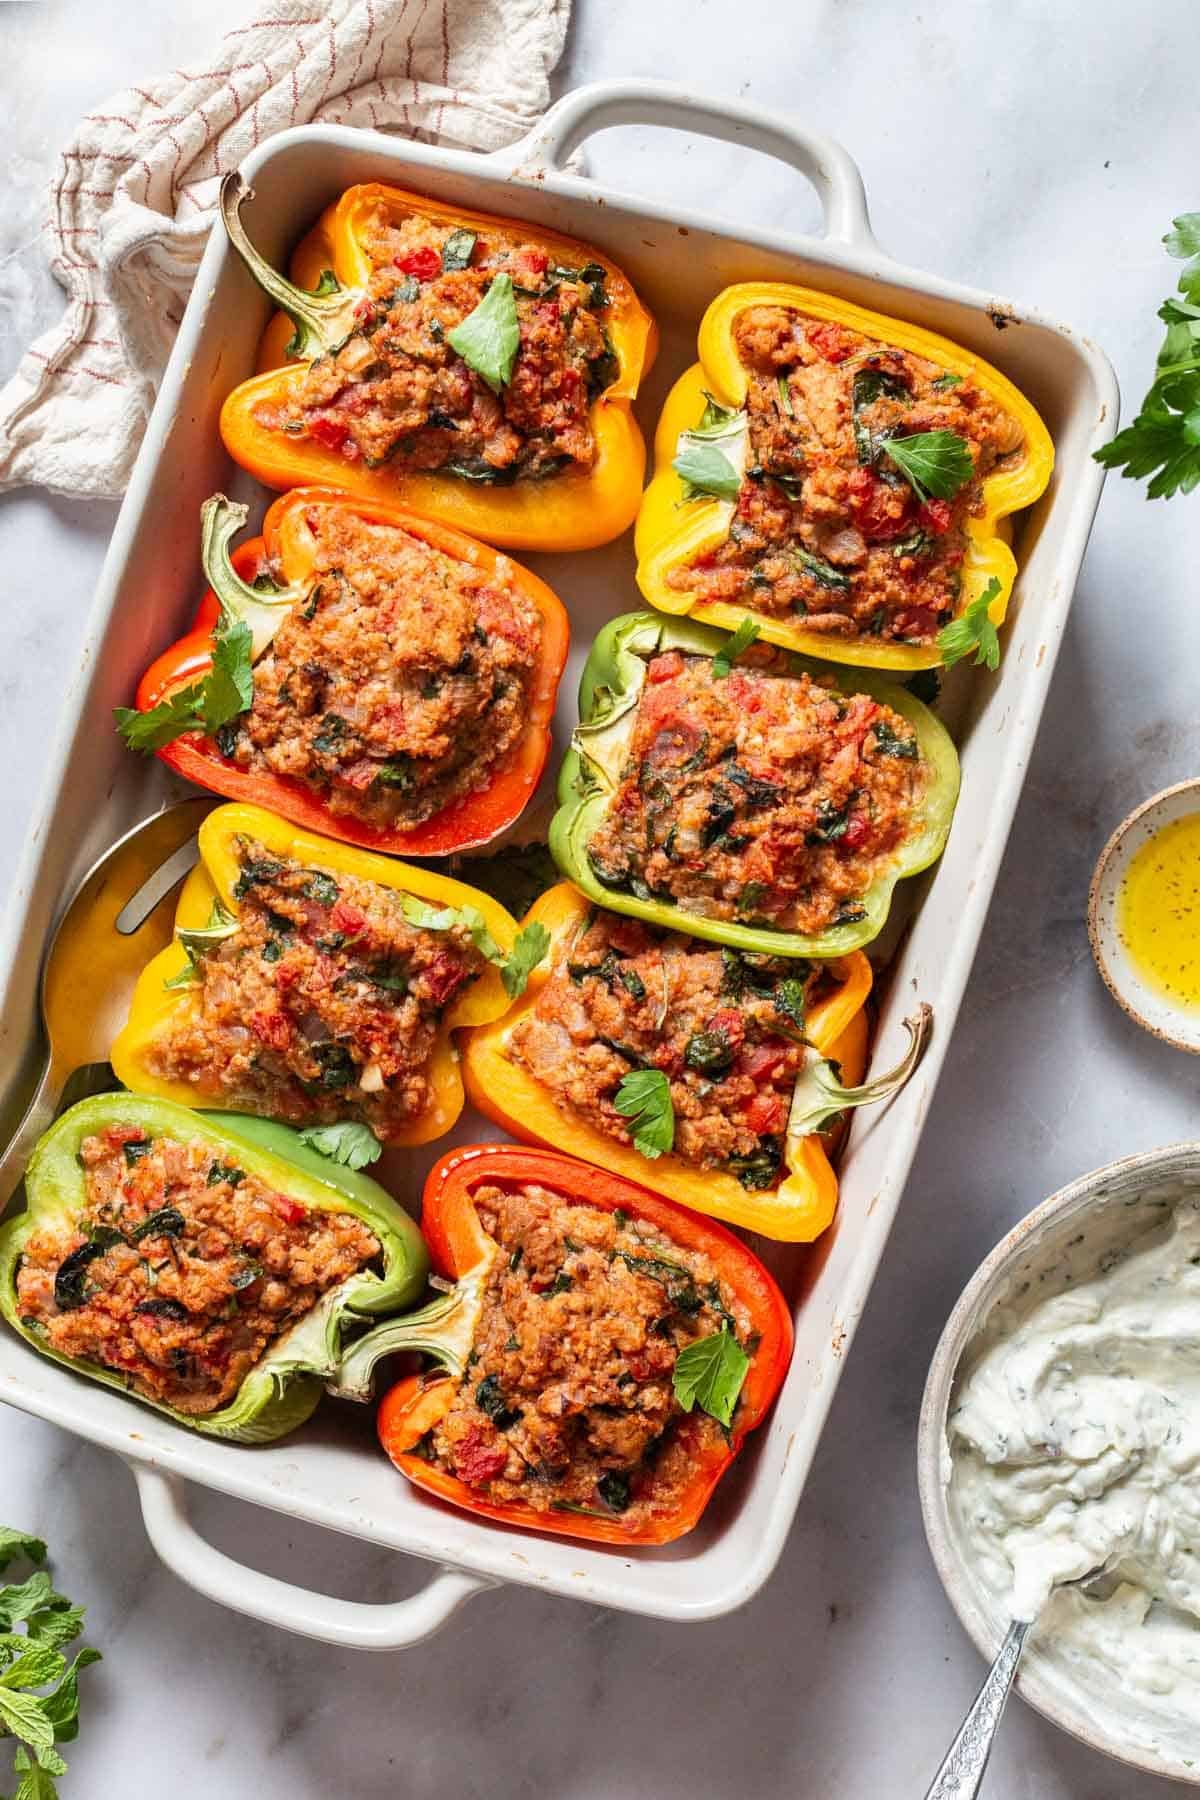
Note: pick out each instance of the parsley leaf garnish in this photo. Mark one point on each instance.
(644, 1098)
(532, 943)
(529, 946)
(1163, 441)
(705, 471)
(32, 1660)
(224, 694)
(933, 462)
(352, 1145)
(729, 652)
(488, 338)
(709, 1373)
(972, 630)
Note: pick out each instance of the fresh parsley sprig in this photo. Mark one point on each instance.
(488, 338)
(1163, 442)
(702, 465)
(973, 630)
(709, 1373)
(529, 946)
(353, 1145)
(727, 655)
(39, 1688)
(934, 463)
(644, 1098)
(224, 693)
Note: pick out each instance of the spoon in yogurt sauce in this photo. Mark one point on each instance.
(961, 1774)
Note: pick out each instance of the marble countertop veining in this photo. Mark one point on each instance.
(1036, 151)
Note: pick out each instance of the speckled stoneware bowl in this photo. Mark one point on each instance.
(1044, 1248)
(1153, 1010)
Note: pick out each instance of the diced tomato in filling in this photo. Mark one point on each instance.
(765, 1114)
(665, 667)
(916, 622)
(535, 261)
(937, 516)
(731, 1025)
(422, 264)
(881, 512)
(764, 1061)
(290, 1211)
(333, 433)
(444, 976)
(124, 1134)
(477, 1461)
(830, 341)
(271, 1028)
(858, 830)
(348, 919)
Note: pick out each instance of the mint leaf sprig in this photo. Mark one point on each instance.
(1163, 442)
(39, 1688)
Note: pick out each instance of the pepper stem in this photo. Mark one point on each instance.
(322, 319)
(819, 1095)
(443, 1330)
(263, 611)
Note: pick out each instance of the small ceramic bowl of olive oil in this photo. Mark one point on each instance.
(1144, 915)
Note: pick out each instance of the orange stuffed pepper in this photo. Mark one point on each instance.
(476, 369)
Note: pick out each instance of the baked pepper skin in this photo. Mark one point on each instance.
(609, 692)
(571, 511)
(799, 1209)
(156, 1007)
(283, 1388)
(287, 543)
(671, 532)
(463, 1251)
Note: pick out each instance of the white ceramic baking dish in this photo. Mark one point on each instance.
(331, 1473)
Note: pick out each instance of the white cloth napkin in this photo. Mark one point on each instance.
(136, 190)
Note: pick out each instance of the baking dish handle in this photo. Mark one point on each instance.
(394, 1625)
(600, 104)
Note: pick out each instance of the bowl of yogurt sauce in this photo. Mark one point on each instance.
(1060, 1429)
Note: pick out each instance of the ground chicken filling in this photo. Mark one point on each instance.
(726, 1029)
(401, 683)
(183, 1270)
(827, 530)
(396, 392)
(762, 796)
(323, 1002)
(568, 1402)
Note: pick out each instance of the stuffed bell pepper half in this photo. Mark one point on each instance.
(320, 679)
(725, 787)
(314, 982)
(844, 478)
(476, 369)
(211, 1266)
(602, 1353)
(706, 1073)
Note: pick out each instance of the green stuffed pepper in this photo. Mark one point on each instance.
(746, 794)
(209, 1265)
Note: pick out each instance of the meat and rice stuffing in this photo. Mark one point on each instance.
(827, 531)
(183, 1271)
(322, 1002)
(725, 1028)
(765, 795)
(396, 392)
(568, 1402)
(400, 685)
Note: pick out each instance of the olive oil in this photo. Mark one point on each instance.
(1158, 912)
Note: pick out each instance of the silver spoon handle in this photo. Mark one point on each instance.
(961, 1774)
(38, 1117)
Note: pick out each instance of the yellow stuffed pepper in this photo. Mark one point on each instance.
(843, 480)
(477, 370)
(702, 1073)
(313, 982)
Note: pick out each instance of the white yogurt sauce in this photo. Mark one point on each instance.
(1074, 1441)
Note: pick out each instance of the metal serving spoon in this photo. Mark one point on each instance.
(961, 1774)
(121, 914)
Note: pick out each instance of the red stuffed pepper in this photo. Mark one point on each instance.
(602, 1352)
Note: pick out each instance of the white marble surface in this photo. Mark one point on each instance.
(1036, 151)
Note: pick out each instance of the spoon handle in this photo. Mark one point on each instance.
(961, 1774)
(38, 1117)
